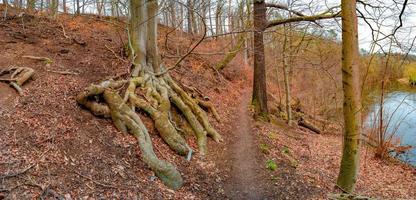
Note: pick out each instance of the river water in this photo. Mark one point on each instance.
(399, 112)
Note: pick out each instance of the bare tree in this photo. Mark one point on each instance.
(352, 103)
(260, 24)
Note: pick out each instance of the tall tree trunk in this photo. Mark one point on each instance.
(53, 7)
(189, 16)
(83, 7)
(99, 4)
(202, 21)
(210, 18)
(194, 21)
(172, 11)
(138, 34)
(113, 8)
(286, 63)
(259, 99)
(350, 82)
(64, 6)
(5, 2)
(152, 52)
(218, 18)
(77, 8)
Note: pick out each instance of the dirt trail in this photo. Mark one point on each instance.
(243, 158)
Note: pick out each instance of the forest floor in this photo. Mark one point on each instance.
(49, 146)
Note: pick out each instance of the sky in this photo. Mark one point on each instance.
(388, 20)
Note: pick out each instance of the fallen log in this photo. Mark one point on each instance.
(18, 76)
(306, 124)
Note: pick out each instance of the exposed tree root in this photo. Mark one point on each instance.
(152, 95)
(17, 76)
(43, 59)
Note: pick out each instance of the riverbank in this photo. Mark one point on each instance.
(315, 158)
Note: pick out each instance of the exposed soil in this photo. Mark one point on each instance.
(244, 157)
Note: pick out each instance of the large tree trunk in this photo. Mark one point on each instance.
(259, 100)
(350, 82)
(153, 58)
(159, 91)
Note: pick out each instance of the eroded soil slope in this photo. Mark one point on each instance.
(50, 146)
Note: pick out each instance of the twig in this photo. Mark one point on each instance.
(63, 31)
(96, 182)
(115, 54)
(7, 79)
(63, 72)
(45, 59)
(13, 174)
(193, 48)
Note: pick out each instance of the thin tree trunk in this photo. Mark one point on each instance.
(113, 8)
(193, 18)
(189, 16)
(350, 82)
(259, 99)
(286, 74)
(210, 18)
(77, 7)
(218, 20)
(64, 6)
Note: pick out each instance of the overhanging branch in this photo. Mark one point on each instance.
(283, 7)
(303, 18)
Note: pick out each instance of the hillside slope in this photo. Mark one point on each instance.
(57, 147)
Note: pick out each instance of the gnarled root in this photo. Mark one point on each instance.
(155, 99)
(18, 76)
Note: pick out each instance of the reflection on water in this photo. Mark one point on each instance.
(400, 119)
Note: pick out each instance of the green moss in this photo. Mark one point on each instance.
(286, 150)
(264, 148)
(272, 135)
(271, 165)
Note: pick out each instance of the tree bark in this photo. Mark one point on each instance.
(218, 18)
(259, 99)
(350, 82)
(153, 58)
(64, 6)
(189, 5)
(286, 75)
(77, 8)
(138, 33)
(159, 93)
